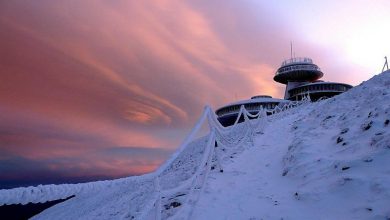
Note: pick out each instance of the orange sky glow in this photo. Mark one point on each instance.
(106, 89)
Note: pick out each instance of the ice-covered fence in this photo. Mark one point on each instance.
(290, 105)
(230, 137)
(183, 175)
(44, 193)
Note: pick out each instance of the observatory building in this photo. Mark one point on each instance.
(228, 114)
(301, 77)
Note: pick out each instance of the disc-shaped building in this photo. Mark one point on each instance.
(301, 77)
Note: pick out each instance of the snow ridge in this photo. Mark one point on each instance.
(326, 160)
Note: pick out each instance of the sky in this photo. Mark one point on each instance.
(106, 89)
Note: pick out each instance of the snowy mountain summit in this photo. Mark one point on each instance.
(323, 160)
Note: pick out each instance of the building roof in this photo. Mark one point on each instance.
(254, 100)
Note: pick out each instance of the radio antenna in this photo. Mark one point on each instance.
(291, 50)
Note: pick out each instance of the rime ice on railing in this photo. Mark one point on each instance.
(228, 137)
(186, 192)
(297, 60)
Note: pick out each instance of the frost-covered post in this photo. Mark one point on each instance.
(385, 65)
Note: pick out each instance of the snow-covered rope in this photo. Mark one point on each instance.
(234, 135)
(190, 181)
(44, 193)
(186, 142)
(213, 121)
(199, 182)
(218, 134)
(205, 164)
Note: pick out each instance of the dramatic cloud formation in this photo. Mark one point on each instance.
(78, 78)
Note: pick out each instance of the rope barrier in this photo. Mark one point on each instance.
(231, 138)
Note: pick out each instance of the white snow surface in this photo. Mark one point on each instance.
(324, 160)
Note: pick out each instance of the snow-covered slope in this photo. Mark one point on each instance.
(325, 160)
(329, 160)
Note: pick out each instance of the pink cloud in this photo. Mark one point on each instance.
(82, 76)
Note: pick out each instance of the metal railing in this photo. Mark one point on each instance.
(297, 60)
(318, 88)
(297, 67)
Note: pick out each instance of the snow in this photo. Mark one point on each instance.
(324, 160)
(297, 170)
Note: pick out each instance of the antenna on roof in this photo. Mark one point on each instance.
(291, 50)
(386, 65)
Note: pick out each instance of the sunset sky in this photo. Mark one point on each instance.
(103, 89)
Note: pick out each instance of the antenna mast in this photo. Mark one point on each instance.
(291, 50)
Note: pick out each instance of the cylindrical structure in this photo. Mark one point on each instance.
(300, 75)
(228, 114)
(318, 90)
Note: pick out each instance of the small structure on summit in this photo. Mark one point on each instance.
(301, 77)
